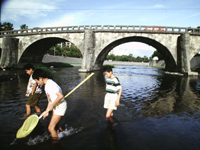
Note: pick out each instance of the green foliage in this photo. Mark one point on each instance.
(23, 26)
(127, 58)
(57, 64)
(159, 55)
(72, 51)
(40, 66)
(1, 27)
(6, 26)
(111, 57)
(45, 69)
(112, 66)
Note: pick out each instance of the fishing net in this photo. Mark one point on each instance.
(28, 126)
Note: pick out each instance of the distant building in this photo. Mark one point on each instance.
(68, 44)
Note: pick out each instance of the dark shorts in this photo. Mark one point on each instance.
(33, 100)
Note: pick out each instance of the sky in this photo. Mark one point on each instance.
(54, 13)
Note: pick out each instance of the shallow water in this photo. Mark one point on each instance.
(157, 112)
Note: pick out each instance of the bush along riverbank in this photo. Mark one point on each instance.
(47, 67)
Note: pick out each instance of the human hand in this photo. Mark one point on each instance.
(45, 114)
(117, 103)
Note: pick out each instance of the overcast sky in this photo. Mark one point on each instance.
(52, 13)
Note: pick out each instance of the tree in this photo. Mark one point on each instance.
(23, 26)
(139, 59)
(75, 51)
(145, 59)
(158, 54)
(110, 57)
(1, 27)
(72, 51)
(7, 26)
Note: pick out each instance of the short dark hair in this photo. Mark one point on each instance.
(39, 73)
(107, 68)
(28, 67)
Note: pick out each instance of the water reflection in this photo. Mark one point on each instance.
(111, 138)
(157, 111)
(176, 96)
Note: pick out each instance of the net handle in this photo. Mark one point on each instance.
(71, 91)
(79, 85)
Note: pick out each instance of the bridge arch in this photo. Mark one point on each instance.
(194, 50)
(169, 59)
(34, 52)
(194, 46)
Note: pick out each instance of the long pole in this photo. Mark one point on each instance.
(79, 85)
(71, 91)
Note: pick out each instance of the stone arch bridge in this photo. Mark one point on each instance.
(178, 45)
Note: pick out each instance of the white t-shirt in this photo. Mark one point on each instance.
(51, 88)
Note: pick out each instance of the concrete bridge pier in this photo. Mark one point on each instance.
(9, 54)
(183, 53)
(89, 51)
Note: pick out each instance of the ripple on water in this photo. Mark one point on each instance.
(155, 110)
(46, 136)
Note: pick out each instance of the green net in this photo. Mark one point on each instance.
(28, 126)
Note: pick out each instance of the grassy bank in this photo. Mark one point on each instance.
(47, 67)
(56, 64)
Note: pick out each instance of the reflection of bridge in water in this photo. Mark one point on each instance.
(177, 45)
(178, 96)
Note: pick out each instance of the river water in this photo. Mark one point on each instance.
(157, 112)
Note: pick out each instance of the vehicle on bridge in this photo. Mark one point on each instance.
(156, 28)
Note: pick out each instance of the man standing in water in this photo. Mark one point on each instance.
(112, 98)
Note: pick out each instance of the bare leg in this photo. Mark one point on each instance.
(109, 115)
(54, 120)
(60, 129)
(28, 109)
(37, 109)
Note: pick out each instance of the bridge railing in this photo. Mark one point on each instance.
(102, 28)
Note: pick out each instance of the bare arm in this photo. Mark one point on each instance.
(34, 88)
(50, 106)
(117, 103)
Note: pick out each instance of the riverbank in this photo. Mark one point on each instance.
(78, 61)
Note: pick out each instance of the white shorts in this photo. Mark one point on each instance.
(60, 109)
(110, 99)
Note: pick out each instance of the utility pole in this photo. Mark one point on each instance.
(54, 50)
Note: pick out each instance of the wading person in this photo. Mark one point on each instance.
(33, 91)
(112, 97)
(56, 101)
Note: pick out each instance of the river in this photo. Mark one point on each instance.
(157, 112)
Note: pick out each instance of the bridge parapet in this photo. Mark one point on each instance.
(102, 28)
